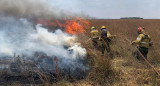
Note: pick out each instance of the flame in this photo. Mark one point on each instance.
(55, 24)
(71, 26)
(77, 25)
(50, 23)
(59, 24)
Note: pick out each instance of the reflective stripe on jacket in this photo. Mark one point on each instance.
(144, 41)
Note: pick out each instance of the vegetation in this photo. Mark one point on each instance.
(123, 69)
(131, 18)
(127, 69)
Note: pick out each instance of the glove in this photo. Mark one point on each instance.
(132, 43)
(100, 39)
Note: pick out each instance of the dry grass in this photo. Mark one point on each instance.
(131, 71)
(124, 69)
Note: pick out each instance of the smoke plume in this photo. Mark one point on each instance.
(33, 9)
(20, 37)
(26, 8)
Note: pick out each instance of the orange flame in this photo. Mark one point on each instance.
(59, 24)
(72, 26)
(77, 25)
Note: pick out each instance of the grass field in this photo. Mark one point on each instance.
(124, 69)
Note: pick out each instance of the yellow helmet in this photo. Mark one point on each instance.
(92, 28)
(103, 27)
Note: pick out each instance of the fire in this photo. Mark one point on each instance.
(59, 24)
(71, 26)
(77, 25)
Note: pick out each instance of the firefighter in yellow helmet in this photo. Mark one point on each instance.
(144, 41)
(104, 38)
(94, 35)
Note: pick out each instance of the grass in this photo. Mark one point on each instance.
(131, 71)
(123, 69)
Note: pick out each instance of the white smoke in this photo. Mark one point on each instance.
(20, 37)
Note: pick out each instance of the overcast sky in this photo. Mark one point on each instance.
(111, 8)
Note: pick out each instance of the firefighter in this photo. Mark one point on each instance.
(144, 41)
(94, 35)
(104, 38)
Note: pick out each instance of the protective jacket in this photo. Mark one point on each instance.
(94, 34)
(143, 40)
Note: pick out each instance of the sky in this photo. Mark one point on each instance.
(112, 9)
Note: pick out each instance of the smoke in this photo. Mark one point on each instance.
(26, 8)
(33, 9)
(20, 37)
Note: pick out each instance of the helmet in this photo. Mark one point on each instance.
(140, 30)
(103, 27)
(92, 28)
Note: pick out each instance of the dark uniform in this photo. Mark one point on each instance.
(105, 41)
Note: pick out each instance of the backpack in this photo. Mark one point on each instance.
(145, 37)
(104, 35)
